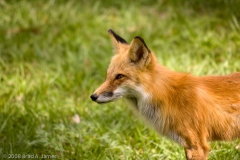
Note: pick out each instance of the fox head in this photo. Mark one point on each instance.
(130, 67)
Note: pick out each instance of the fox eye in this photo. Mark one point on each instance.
(119, 76)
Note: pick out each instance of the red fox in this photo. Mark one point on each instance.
(187, 109)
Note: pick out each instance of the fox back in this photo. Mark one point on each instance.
(189, 110)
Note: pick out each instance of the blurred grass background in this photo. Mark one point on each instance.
(54, 54)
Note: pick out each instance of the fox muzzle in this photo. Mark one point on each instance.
(94, 97)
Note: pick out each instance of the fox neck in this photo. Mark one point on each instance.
(149, 111)
(152, 98)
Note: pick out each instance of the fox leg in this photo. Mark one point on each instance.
(196, 148)
(198, 153)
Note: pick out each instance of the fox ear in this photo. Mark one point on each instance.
(139, 52)
(116, 39)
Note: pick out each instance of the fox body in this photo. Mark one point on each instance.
(188, 109)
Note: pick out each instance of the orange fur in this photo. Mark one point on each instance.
(188, 109)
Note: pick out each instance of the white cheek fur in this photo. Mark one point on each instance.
(119, 92)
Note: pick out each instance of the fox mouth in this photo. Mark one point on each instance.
(106, 100)
(101, 99)
(106, 97)
(103, 102)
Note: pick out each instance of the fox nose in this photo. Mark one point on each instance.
(94, 97)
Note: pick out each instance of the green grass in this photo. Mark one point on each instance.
(54, 54)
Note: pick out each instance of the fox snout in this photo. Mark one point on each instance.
(94, 97)
(103, 97)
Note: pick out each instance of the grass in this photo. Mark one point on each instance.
(53, 55)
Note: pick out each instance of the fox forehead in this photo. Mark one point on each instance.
(119, 62)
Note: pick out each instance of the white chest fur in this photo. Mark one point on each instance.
(151, 113)
(142, 104)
